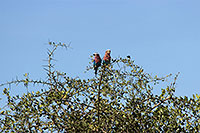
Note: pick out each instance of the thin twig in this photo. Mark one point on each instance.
(161, 102)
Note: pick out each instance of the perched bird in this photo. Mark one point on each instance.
(107, 57)
(96, 62)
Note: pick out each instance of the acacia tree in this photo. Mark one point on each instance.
(119, 99)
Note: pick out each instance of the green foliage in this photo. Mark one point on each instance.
(119, 99)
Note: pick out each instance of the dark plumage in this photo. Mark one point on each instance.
(96, 62)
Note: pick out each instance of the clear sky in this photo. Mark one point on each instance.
(162, 36)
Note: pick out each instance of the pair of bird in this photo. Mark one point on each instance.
(97, 60)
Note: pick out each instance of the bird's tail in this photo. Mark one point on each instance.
(95, 71)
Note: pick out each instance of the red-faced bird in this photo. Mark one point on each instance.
(96, 62)
(107, 57)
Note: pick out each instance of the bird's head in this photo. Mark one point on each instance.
(96, 54)
(108, 51)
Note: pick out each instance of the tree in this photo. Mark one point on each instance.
(119, 99)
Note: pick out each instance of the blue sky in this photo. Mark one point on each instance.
(162, 36)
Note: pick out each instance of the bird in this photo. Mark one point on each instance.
(107, 57)
(96, 62)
